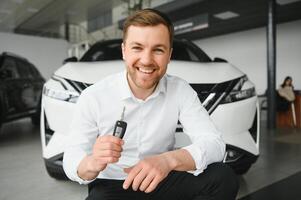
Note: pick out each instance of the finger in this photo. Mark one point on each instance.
(153, 184)
(107, 153)
(146, 182)
(110, 138)
(108, 146)
(133, 173)
(138, 179)
(107, 160)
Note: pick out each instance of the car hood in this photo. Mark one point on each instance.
(192, 72)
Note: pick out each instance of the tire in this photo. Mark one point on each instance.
(55, 171)
(35, 119)
(0, 117)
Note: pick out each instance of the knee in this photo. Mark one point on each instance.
(224, 176)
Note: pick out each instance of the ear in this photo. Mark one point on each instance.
(122, 50)
(170, 53)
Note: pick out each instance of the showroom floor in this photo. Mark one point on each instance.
(23, 175)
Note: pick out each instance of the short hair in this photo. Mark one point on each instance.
(148, 17)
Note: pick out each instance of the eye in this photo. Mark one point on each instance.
(136, 48)
(158, 50)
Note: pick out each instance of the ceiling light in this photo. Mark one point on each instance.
(226, 15)
(284, 2)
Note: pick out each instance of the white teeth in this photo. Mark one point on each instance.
(147, 71)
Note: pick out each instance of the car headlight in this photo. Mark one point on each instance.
(242, 90)
(60, 89)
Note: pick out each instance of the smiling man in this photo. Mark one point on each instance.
(144, 164)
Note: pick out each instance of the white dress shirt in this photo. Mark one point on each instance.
(151, 125)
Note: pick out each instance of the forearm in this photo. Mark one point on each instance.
(180, 160)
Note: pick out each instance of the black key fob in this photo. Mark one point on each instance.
(120, 128)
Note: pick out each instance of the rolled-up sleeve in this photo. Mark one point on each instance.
(81, 137)
(207, 144)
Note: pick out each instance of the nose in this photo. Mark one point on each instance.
(146, 58)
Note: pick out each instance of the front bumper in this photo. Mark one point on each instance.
(239, 123)
(56, 116)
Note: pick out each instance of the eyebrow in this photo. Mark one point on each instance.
(156, 46)
(135, 43)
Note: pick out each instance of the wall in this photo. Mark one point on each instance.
(45, 53)
(247, 50)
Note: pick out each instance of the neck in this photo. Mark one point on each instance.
(140, 93)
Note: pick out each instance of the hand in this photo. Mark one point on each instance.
(107, 149)
(147, 173)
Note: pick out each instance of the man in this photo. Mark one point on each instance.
(144, 165)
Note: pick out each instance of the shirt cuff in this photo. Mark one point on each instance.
(73, 175)
(199, 157)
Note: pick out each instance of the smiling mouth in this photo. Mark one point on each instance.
(145, 70)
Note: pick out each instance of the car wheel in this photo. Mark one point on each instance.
(55, 171)
(0, 118)
(35, 119)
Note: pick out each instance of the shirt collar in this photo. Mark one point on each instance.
(127, 93)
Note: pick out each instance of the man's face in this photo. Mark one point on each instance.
(146, 51)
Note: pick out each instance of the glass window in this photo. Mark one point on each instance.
(187, 51)
(180, 53)
(9, 68)
(34, 70)
(24, 69)
(105, 51)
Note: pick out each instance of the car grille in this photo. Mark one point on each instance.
(211, 95)
(78, 86)
(48, 131)
(253, 129)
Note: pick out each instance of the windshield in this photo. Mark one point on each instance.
(111, 50)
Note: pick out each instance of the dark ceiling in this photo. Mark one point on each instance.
(252, 14)
(45, 18)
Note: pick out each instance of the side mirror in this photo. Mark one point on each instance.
(71, 59)
(217, 59)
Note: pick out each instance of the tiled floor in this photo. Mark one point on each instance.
(287, 188)
(22, 168)
(278, 160)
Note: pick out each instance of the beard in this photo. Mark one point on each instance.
(145, 77)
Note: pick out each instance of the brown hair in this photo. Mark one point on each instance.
(148, 17)
(286, 79)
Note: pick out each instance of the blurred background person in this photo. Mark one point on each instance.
(285, 100)
(286, 89)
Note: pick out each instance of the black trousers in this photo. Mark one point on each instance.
(217, 182)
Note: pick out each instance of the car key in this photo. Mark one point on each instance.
(120, 126)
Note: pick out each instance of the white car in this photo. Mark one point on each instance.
(225, 91)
